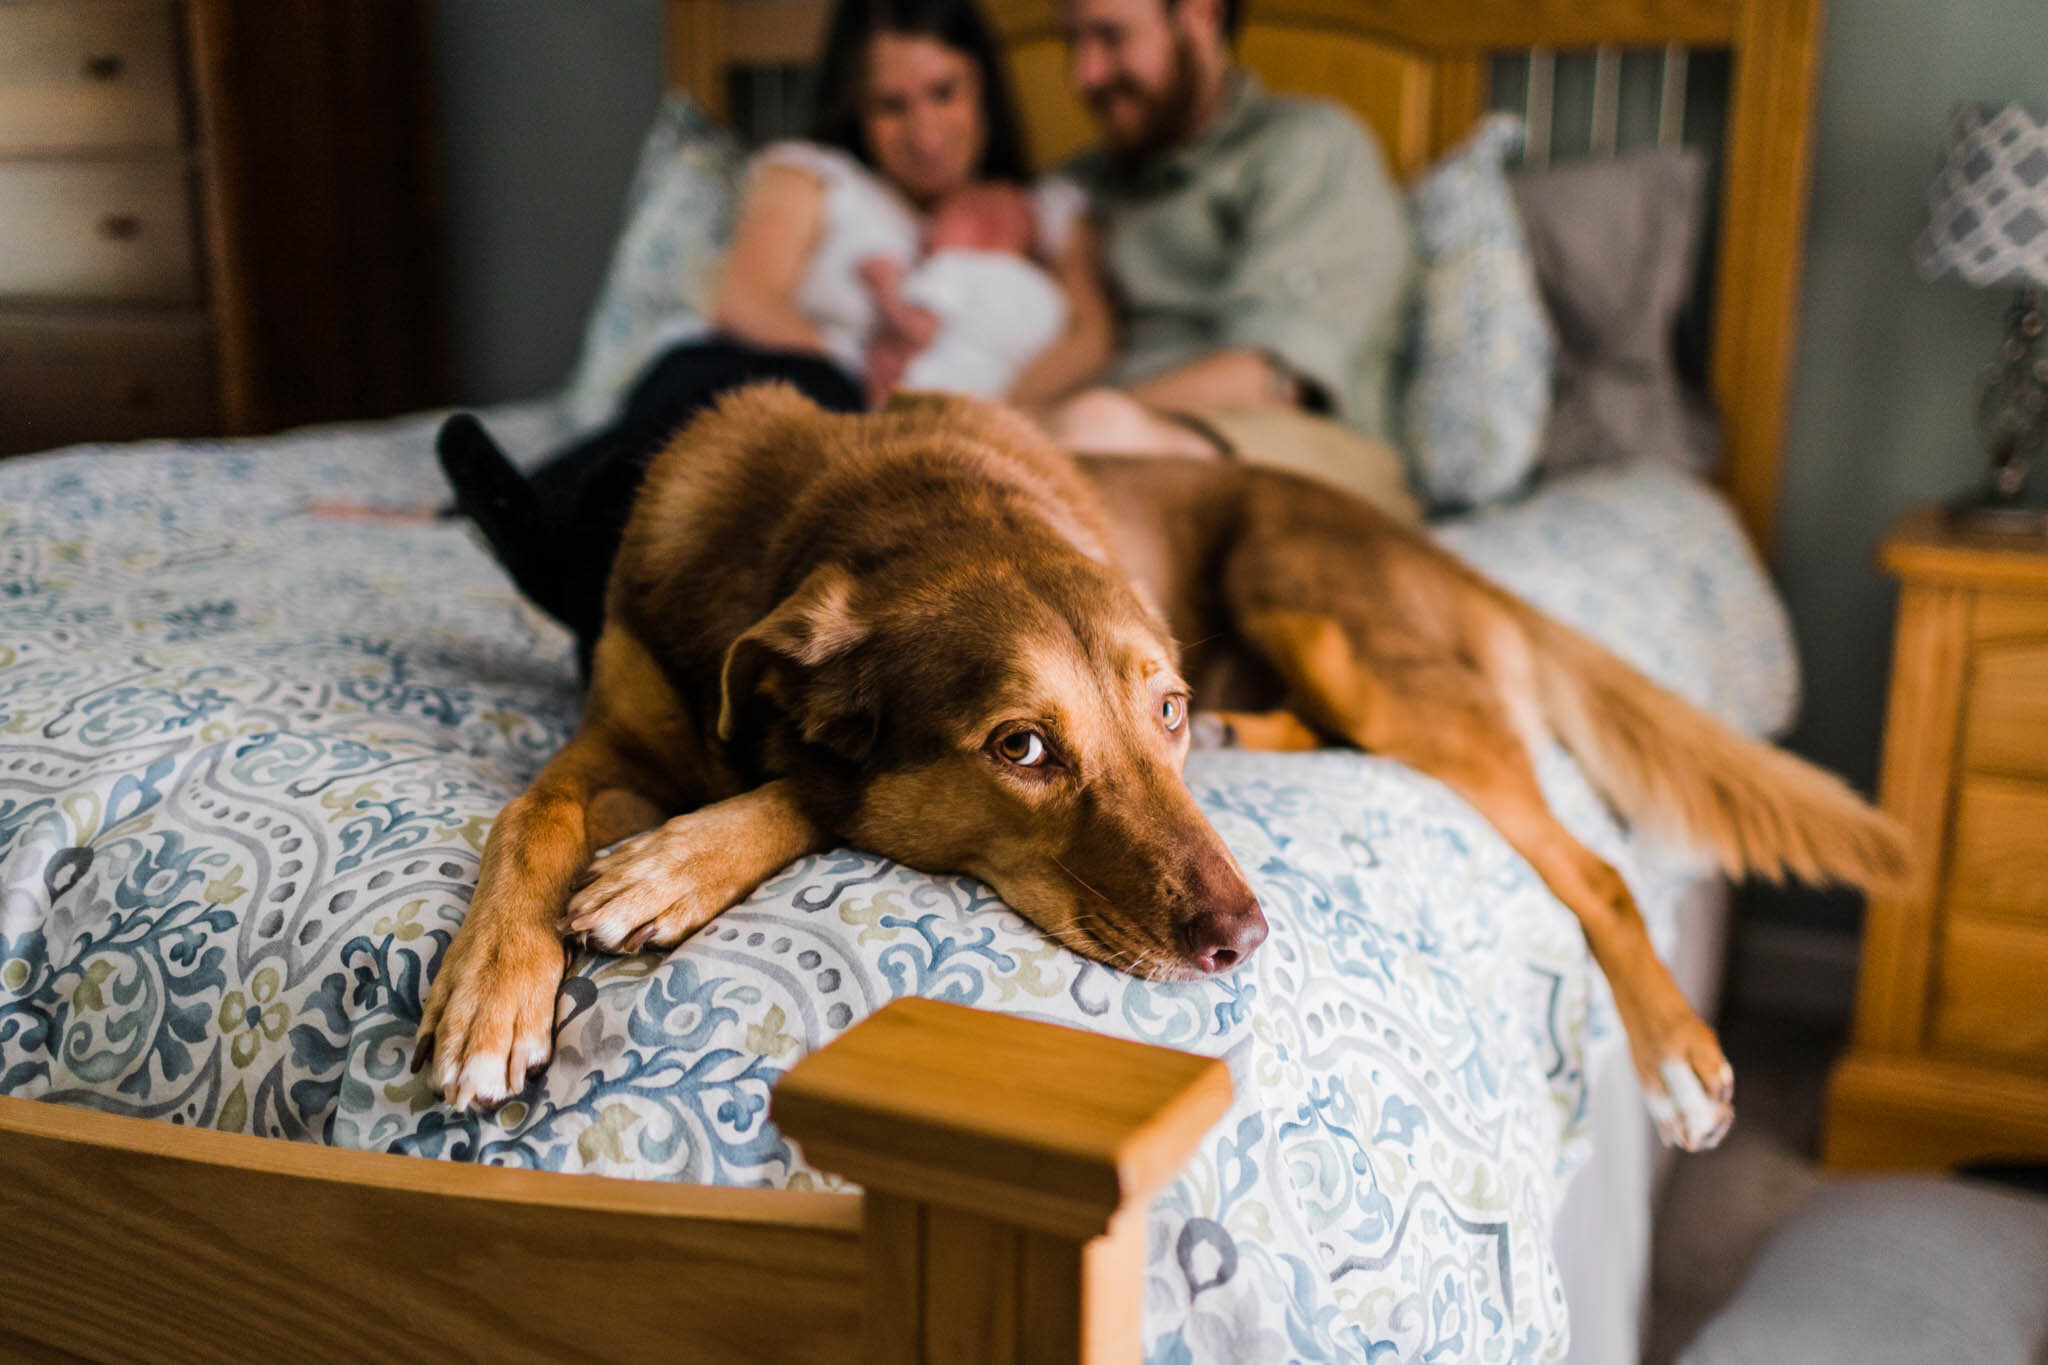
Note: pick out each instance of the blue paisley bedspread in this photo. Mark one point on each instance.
(248, 757)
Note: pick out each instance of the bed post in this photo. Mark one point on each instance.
(1763, 232)
(1008, 1165)
(697, 36)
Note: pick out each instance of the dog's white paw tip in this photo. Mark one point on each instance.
(528, 1056)
(1684, 1113)
(479, 1083)
(1662, 1113)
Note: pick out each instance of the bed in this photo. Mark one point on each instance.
(248, 755)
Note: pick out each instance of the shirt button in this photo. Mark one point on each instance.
(1301, 282)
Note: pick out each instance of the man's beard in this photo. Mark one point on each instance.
(1169, 114)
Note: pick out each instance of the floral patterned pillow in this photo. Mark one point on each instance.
(657, 289)
(1480, 366)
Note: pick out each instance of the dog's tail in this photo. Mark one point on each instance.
(1666, 765)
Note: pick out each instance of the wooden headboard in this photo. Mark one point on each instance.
(1416, 71)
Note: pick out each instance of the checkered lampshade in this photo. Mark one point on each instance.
(1989, 202)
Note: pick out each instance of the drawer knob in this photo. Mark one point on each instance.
(138, 395)
(120, 227)
(104, 67)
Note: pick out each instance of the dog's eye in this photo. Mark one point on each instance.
(1173, 710)
(1025, 748)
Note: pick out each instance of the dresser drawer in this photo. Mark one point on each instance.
(2005, 712)
(111, 379)
(100, 230)
(1990, 995)
(80, 75)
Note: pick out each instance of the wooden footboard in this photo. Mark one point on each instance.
(1008, 1165)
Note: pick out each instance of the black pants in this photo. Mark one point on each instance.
(557, 530)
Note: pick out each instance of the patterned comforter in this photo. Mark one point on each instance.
(248, 757)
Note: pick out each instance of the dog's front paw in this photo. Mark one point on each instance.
(1691, 1097)
(654, 889)
(489, 1018)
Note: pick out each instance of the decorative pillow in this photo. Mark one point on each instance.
(658, 287)
(1479, 382)
(1614, 242)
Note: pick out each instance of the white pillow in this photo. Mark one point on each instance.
(658, 288)
(1480, 371)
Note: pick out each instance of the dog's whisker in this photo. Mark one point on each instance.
(1144, 960)
(1076, 937)
(1103, 932)
(1115, 956)
(1077, 877)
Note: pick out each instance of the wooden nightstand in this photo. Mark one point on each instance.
(1949, 1060)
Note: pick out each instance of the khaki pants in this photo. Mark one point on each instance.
(1312, 446)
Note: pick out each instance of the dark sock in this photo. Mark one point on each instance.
(495, 496)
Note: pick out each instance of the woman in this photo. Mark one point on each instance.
(912, 107)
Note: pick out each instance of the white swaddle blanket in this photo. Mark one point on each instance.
(990, 305)
(996, 312)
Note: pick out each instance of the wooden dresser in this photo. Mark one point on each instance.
(1949, 1059)
(215, 216)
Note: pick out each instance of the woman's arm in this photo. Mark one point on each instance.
(755, 297)
(1084, 348)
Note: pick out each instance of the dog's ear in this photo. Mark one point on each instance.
(782, 657)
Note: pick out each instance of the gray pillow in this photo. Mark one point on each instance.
(1892, 1272)
(1615, 242)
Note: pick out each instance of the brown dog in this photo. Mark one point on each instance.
(928, 634)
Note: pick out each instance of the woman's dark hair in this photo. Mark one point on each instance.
(842, 70)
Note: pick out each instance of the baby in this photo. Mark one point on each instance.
(977, 308)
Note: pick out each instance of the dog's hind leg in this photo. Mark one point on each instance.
(1266, 731)
(1443, 717)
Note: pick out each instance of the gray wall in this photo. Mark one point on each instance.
(542, 107)
(1886, 361)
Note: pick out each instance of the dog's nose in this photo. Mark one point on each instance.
(1217, 940)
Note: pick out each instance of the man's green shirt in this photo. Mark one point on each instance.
(1276, 229)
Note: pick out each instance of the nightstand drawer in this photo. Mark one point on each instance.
(102, 230)
(2005, 714)
(1992, 991)
(2000, 864)
(105, 379)
(78, 75)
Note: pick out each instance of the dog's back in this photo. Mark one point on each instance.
(764, 487)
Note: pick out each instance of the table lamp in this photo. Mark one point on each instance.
(1988, 223)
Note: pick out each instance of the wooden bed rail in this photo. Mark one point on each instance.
(1011, 1163)
(1008, 1167)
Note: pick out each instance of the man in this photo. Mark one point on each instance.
(1257, 252)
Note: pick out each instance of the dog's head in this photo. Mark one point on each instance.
(1014, 712)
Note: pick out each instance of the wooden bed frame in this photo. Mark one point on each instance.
(1415, 72)
(1003, 1218)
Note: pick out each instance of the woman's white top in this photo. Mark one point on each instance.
(864, 216)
